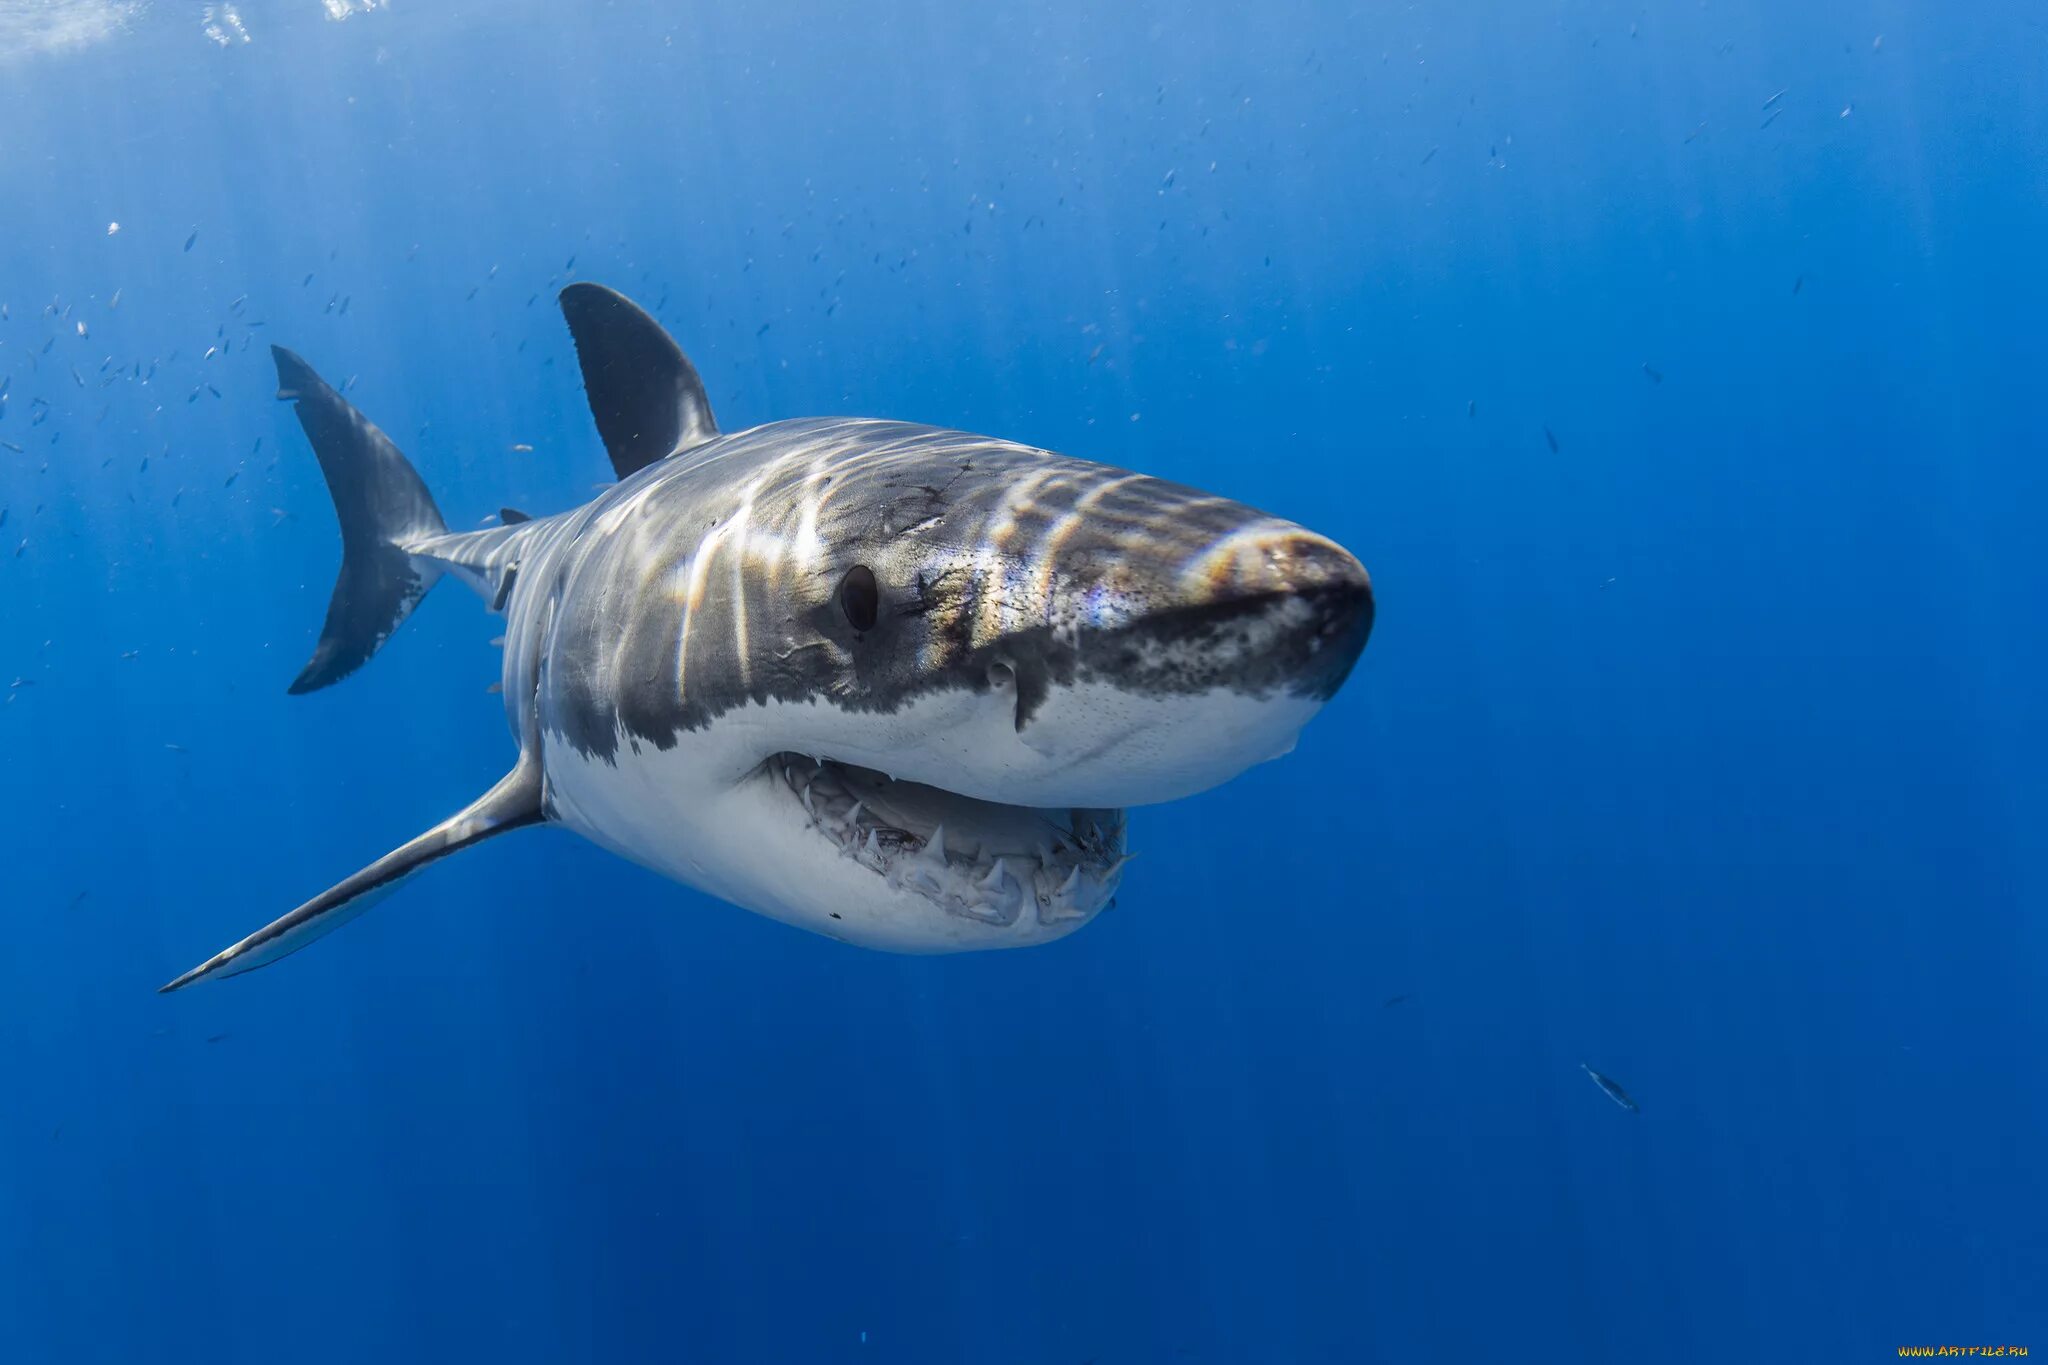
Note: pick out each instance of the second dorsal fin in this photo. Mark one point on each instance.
(644, 393)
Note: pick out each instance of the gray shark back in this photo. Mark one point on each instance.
(715, 579)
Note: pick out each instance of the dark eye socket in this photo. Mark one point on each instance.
(860, 597)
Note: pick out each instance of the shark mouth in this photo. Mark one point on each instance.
(978, 859)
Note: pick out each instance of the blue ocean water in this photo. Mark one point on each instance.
(1675, 370)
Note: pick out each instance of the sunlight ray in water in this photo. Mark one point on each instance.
(30, 28)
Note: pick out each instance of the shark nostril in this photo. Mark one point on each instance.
(1002, 677)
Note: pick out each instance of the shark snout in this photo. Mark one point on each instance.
(1324, 596)
(1231, 652)
(1275, 610)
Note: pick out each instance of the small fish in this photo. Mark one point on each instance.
(566, 268)
(495, 688)
(80, 325)
(177, 748)
(1655, 376)
(758, 331)
(1394, 1000)
(521, 448)
(1613, 1089)
(1551, 437)
(1472, 407)
(193, 238)
(1773, 118)
(1799, 284)
(1775, 98)
(231, 479)
(1695, 133)
(131, 653)
(219, 1037)
(12, 446)
(115, 302)
(1428, 156)
(78, 899)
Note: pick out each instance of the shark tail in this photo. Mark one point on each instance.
(382, 505)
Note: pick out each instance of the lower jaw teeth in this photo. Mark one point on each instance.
(1068, 882)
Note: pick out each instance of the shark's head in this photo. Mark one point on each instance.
(924, 673)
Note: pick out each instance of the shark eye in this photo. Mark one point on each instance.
(860, 597)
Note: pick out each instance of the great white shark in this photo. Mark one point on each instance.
(887, 682)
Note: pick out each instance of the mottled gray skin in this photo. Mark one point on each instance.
(710, 581)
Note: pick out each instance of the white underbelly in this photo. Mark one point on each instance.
(747, 842)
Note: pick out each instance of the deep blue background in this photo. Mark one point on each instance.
(1707, 749)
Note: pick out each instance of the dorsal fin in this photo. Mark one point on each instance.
(644, 393)
(512, 516)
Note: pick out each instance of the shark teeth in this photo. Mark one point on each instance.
(1069, 877)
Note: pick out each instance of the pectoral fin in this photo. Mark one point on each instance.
(513, 803)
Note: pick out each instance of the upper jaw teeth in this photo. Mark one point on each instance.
(1069, 880)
